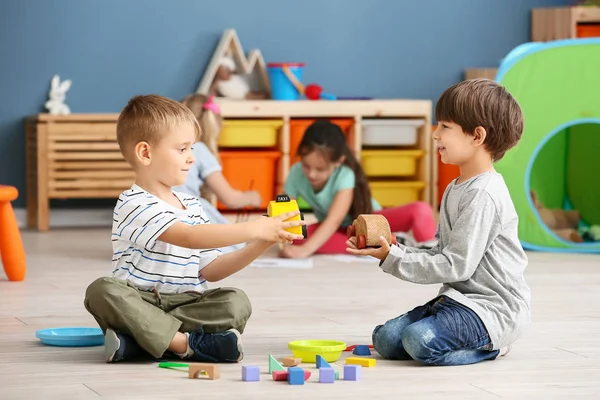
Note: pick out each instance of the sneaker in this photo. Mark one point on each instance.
(504, 351)
(216, 347)
(120, 347)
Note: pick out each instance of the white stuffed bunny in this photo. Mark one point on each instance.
(57, 94)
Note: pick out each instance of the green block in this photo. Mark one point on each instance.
(274, 365)
(337, 375)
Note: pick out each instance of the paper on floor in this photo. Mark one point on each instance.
(298, 263)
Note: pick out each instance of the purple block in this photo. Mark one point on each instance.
(326, 375)
(295, 376)
(250, 373)
(352, 372)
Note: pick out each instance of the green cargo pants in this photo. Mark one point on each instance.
(152, 319)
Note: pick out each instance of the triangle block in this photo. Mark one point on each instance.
(274, 365)
(321, 363)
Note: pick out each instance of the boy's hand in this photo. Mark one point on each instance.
(274, 229)
(380, 253)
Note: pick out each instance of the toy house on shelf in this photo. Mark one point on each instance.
(232, 74)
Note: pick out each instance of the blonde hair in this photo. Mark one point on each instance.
(146, 118)
(210, 122)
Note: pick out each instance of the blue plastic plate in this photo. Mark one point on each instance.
(71, 337)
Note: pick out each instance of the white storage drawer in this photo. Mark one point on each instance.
(390, 132)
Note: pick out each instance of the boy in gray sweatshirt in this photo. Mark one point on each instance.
(484, 302)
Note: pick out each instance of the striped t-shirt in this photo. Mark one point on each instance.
(138, 257)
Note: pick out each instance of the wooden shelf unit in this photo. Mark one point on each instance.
(77, 156)
(555, 23)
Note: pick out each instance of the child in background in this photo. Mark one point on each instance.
(157, 299)
(205, 177)
(484, 302)
(334, 184)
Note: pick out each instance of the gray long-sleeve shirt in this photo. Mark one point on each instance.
(478, 258)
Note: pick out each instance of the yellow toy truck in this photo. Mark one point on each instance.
(284, 204)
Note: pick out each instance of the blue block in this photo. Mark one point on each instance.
(321, 363)
(295, 376)
(326, 375)
(362, 350)
(352, 372)
(250, 373)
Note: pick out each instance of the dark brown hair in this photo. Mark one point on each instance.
(483, 102)
(329, 139)
(146, 118)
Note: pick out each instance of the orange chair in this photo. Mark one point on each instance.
(11, 245)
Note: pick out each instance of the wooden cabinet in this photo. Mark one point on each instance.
(69, 157)
(554, 23)
(77, 156)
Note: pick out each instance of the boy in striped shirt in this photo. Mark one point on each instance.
(165, 250)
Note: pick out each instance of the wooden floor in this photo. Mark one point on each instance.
(558, 357)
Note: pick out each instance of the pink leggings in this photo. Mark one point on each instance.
(417, 216)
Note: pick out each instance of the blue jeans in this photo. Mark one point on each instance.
(441, 332)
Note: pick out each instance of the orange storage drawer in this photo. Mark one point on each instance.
(588, 30)
(299, 126)
(446, 174)
(251, 170)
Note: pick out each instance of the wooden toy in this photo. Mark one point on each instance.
(321, 363)
(368, 228)
(352, 372)
(326, 375)
(284, 204)
(365, 362)
(274, 365)
(212, 370)
(362, 350)
(295, 376)
(290, 361)
(250, 373)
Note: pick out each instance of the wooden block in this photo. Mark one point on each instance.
(290, 361)
(365, 362)
(212, 370)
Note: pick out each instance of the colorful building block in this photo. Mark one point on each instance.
(352, 372)
(283, 375)
(337, 375)
(362, 350)
(295, 376)
(365, 362)
(280, 375)
(326, 375)
(274, 365)
(291, 361)
(250, 373)
(321, 363)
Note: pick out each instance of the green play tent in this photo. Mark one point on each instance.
(557, 85)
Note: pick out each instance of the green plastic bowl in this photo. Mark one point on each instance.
(307, 350)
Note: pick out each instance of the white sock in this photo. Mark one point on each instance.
(189, 352)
